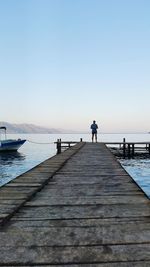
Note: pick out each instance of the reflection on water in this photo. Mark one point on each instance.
(139, 169)
(10, 161)
(10, 157)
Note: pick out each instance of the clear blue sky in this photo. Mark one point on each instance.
(67, 62)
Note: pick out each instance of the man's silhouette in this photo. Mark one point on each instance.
(94, 128)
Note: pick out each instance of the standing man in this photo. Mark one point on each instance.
(94, 128)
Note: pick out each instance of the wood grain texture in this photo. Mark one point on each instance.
(91, 213)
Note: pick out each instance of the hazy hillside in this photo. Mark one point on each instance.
(27, 128)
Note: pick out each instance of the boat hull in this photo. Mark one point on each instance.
(11, 145)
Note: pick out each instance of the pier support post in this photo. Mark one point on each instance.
(129, 152)
(149, 149)
(58, 146)
(132, 150)
(124, 148)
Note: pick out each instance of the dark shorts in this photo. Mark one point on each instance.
(94, 131)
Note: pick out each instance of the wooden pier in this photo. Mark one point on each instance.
(78, 209)
(123, 149)
(130, 149)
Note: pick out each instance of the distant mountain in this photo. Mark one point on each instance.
(27, 128)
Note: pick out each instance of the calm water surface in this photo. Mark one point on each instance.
(32, 153)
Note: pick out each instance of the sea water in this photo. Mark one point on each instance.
(40, 147)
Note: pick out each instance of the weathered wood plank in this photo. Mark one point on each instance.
(12, 196)
(112, 264)
(96, 172)
(23, 184)
(97, 222)
(85, 211)
(66, 255)
(71, 178)
(77, 236)
(90, 192)
(86, 200)
(93, 187)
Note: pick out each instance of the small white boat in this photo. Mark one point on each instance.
(10, 144)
